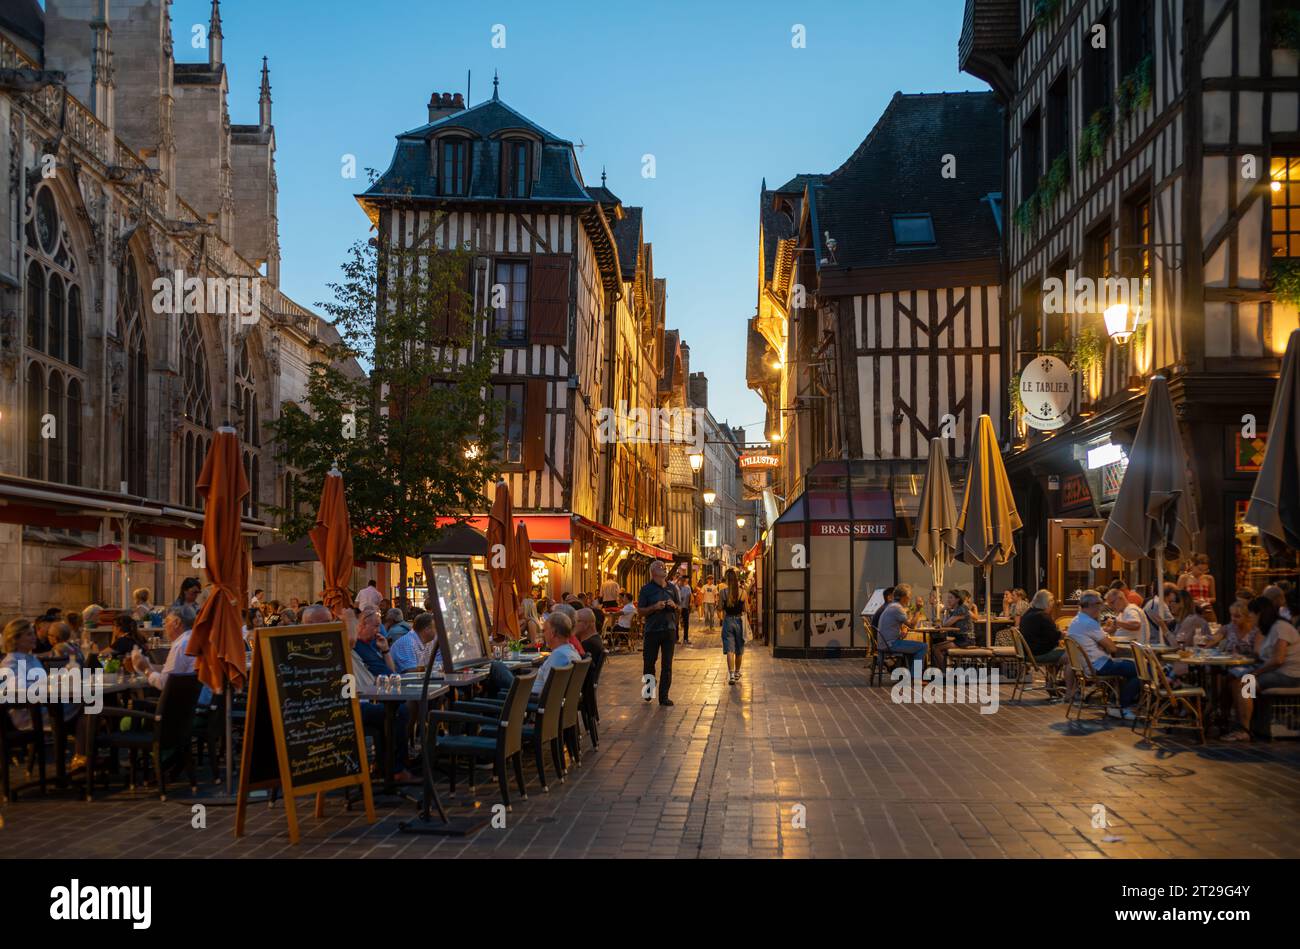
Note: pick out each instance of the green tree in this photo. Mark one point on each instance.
(415, 438)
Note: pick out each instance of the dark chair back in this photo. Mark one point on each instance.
(180, 694)
(511, 734)
(551, 704)
(573, 693)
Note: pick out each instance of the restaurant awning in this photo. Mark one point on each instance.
(33, 503)
(624, 538)
(294, 551)
(548, 533)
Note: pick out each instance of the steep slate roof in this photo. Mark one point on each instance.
(627, 238)
(896, 170)
(411, 172)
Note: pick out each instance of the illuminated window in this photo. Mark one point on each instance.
(1284, 198)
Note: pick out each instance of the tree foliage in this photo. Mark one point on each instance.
(415, 439)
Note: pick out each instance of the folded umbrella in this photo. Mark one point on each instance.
(988, 519)
(501, 542)
(936, 522)
(1275, 500)
(332, 538)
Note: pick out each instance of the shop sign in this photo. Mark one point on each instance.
(759, 461)
(1075, 493)
(1249, 454)
(1046, 388)
(654, 535)
(710, 539)
(875, 530)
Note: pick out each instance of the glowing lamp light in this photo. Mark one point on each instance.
(740, 522)
(1117, 324)
(1276, 186)
(696, 459)
(710, 496)
(775, 437)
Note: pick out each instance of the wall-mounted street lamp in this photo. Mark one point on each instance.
(740, 522)
(1118, 325)
(696, 458)
(710, 495)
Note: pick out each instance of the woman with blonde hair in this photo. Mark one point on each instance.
(531, 625)
(732, 601)
(19, 643)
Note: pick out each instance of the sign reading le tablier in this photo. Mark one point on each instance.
(1046, 387)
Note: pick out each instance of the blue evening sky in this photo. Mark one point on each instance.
(714, 90)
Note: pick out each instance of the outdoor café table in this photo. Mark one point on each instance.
(410, 691)
(1204, 664)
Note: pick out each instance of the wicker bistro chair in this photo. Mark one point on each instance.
(571, 718)
(879, 658)
(1166, 701)
(1146, 675)
(1089, 685)
(503, 745)
(13, 739)
(1029, 667)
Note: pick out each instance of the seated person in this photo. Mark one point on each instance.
(557, 632)
(19, 643)
(892, 630)
(1279, 667)
(1160, 615)
(1100, 649)
(63, 645)
(412, 652)
(569, 610)
(1042, 635)
(372, 646)
(394, 626)
(1190, 628)
(372, 713)
(1129, 620)
(177, 663)
(127, 636)
(43, 644)
(957, 618)
(875, 617)
(1238, 635)
(626, 610)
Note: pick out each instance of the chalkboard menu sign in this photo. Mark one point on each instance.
(303, 731)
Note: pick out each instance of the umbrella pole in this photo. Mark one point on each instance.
(230, 748)
(988, 606)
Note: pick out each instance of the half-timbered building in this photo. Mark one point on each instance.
(546, 269)
(878, 318)
(1155, 142)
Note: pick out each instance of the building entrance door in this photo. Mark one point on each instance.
(1071, 559)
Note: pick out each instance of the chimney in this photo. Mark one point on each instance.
(698, 387)
(443, 104)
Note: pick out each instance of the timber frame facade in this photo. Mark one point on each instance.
(1154, 140)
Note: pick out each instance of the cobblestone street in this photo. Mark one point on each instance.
(725, 771)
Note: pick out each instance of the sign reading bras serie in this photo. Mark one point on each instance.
(862, 530)
(1046, 389)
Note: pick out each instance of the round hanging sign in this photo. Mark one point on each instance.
(1046, 388)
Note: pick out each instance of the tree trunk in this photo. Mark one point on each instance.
(401, 587)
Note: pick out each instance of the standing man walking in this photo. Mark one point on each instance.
(657, 604)
(709, 600)
(684, 597)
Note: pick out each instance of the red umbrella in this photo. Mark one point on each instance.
(217, 639)
(501, 557)
(110, 553)
(332, 538)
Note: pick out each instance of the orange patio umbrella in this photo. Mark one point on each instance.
(501, 559)
(217, 639)
(332, 538)
(523, 562)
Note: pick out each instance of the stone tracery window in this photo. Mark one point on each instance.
(134, 381)
(196, 410)
(249, 427)
(54, 349)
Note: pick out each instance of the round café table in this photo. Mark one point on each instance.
(1205, 664)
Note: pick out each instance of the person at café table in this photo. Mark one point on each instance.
(127, 636)
(1237, 636)
(1129, 620)
(1278, 645)
(412, 650)
(371, 646)
(1042, 635)
(1160, 614)
(178, 663)
(892, 628)
(1087, 631)
(1190, 627)
(18, 642)
(372, 713)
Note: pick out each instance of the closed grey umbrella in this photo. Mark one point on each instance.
(1153, 513)
(1275, 501)
(936, 521)
(988, 519)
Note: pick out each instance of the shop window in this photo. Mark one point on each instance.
(1284, 201)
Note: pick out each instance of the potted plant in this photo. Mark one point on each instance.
(516, 648)
(1026, 215)
(1052, 185)
(1284, 280)
(1093, 138)
(1134, 90)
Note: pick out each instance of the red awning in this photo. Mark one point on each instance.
(548, 533)
(624, 538)
(752, 554)
(109, 553)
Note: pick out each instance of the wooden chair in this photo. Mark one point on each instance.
(1167, 701)
(170, 727)
(1029, 668)
(879, 657)
(504, 745)
(1146, 675)
(1089, 684)
(571, 714)
(13, 739)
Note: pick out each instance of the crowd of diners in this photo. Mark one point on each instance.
(1259, 625)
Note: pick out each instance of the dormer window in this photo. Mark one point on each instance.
(453, 166)
(516, 168)
(913, 230)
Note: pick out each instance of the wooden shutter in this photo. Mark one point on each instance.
(548, 300)
(535, 425)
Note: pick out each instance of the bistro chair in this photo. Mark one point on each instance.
(1029, 666)
(13, 739)
(545, 731)
(504, 744)
(169, 729)
(879, 658)
(1168, 702)
(1146, 675)
(571, 714)
(1089, 685)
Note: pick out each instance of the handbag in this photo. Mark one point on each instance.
(745, 632)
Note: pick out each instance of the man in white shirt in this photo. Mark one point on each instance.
(1159, 616)
(178, 663)
(1099, 648)
(1129, 620)
(709, 599)
(369, 597)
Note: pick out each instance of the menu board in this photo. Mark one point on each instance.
(460, 631)
(303, 731)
